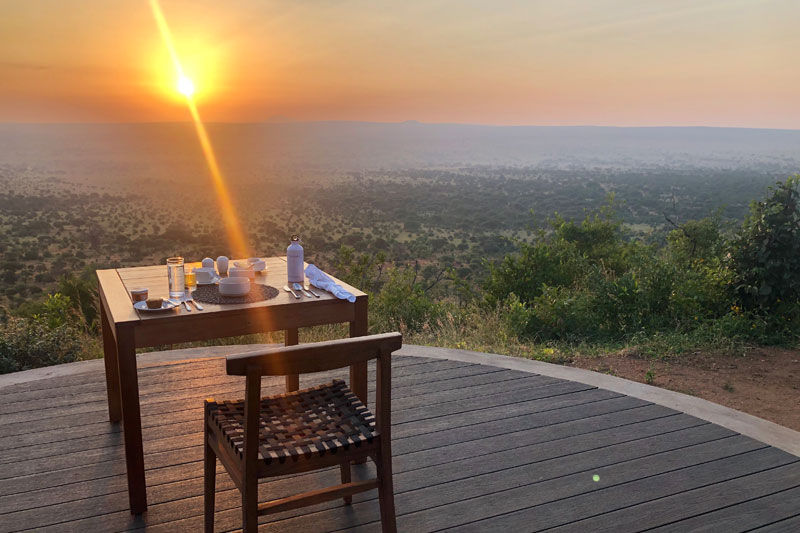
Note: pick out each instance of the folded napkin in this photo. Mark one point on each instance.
(320, 280)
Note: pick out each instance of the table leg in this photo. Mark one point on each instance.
(358, 371)
(291, 338)
(112, 368)
(131, 420)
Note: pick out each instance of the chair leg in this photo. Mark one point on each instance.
(344, 467)
(250, 506)
(386, 492)
(210, 477)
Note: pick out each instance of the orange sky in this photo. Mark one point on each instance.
(604, 62)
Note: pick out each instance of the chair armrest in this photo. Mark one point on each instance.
(314, 357)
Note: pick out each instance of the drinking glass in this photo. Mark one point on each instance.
(191, 279)
(175, 275)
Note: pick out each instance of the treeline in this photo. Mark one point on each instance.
(586, 281)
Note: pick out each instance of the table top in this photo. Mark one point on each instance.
(116, 284)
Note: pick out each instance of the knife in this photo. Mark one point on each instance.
(189, 298)
(308, 288)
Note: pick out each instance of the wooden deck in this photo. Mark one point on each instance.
(476, 448)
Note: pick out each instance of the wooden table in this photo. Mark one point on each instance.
(125, 329)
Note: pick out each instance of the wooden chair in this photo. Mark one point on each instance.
(323, 426)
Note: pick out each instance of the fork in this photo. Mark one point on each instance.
(188, 298)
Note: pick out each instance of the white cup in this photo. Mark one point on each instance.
(222, 264)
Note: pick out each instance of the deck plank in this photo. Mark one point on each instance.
(231, 385)
(720, 463)
(170, 402)
(789, 525)
(744, 515)
(475, 447)
(210, 375)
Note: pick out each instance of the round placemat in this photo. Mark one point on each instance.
(209, 294)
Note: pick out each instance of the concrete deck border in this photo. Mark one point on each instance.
(751, 426)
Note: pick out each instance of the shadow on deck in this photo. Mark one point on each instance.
(476, 448)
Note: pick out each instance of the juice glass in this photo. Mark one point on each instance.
(191, 279)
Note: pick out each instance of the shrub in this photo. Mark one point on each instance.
(533, 268)
(765, 254)
(696, 240)
(403, 304)
(30, 343)
(561, 313)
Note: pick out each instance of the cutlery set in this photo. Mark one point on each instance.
(187, 299)
(305, 290)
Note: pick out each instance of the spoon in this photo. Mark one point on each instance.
(299, 288)
(287, 289)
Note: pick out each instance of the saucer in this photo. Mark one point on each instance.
(165, 305)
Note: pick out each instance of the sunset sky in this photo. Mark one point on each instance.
(601, 62)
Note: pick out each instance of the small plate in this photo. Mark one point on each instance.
(213, 281)
(165, 305)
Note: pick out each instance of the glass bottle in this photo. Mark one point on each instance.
(294, 260)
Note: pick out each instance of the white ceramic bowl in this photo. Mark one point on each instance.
(238, 272)
(234, 286)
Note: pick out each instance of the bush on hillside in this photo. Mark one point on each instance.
(31, 343)
(766, 253)
(586, 282)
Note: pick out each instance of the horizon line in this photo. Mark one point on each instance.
(290, 121)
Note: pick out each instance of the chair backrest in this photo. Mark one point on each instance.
(308, 358)
(314, 357)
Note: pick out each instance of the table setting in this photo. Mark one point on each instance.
(236, 282)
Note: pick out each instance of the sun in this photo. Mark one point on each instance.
(185, 86)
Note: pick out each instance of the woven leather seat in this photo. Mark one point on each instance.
(299, 425)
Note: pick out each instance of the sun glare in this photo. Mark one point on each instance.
(236, 235)
(185, 86)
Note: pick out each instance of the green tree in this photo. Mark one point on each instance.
(765, 253)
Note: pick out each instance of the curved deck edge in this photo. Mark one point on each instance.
(751, 426)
